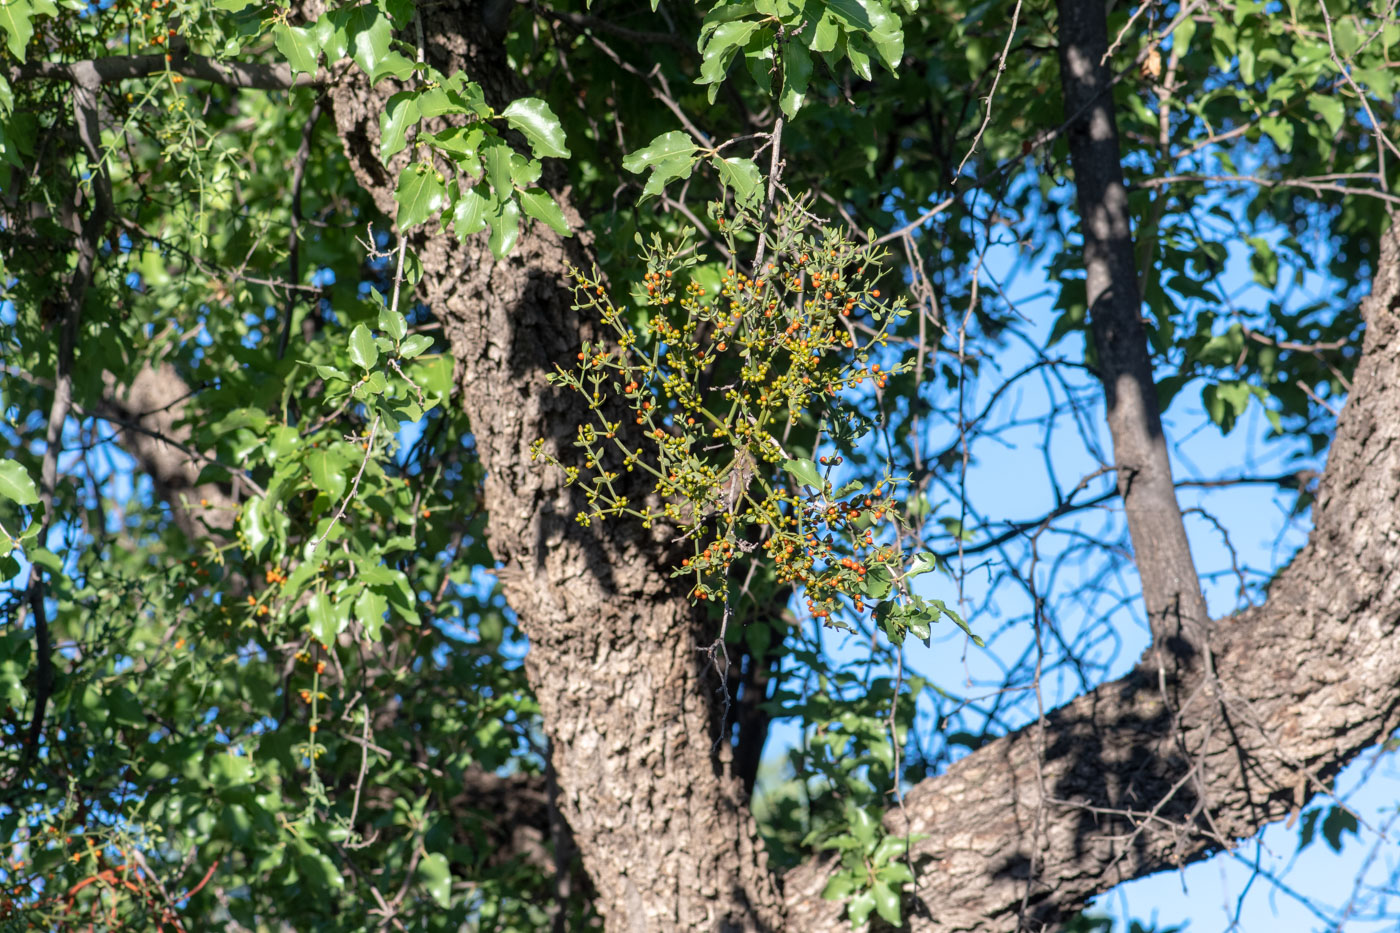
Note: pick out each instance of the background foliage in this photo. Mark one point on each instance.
(305, 707)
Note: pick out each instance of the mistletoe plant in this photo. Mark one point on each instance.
(719, 381)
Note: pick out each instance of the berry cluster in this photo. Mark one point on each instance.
(715, 373)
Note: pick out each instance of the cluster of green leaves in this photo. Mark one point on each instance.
(491, 183)
(227, 697)
(1296, 97)
(780, 40)
(16, 489)
(838, 785)
(17, 20)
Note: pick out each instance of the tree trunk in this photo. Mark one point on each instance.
(626, 697)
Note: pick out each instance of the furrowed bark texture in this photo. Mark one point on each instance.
(1023, 832)
(627, 699)
(1171, 592)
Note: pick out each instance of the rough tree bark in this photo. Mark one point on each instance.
(627, 699)
(150, 411)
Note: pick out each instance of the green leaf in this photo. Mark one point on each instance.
(321, 618)
(227, 770)
(298, 46)
(1280, 131)
(922, 563)
(742, 177)
(468, 94)
(421, 194)
(435, 101)
(16, 485)
(670, 156)
(863, 826)
(401, 113)
(1330, 109)
(415, 345)
(400, 595)
(330, 372)
(539, 205)
(436, 877)
(538, 124)
(254, 528)
(320, 871)
(15, 19)
(1308, 828)
(497, 156)
(852, 13)
(724, 43)
(393, 323)
(878, 582)
(1339, 821)
(330, 34)
(797, 73)
(1225, 402)
(505, 228)
(804, 471)
(524, 172)
(886, 902)
(369, 610)
(825, 34)
(860, 908)
(370, 34)
(839, 887)
(327, 469)
(363, 352)
(895, 873)
(469, 214)
(462, 144)
(962, 624)
(889, 849)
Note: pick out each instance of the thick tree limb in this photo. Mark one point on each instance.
(628, 702)
(98, 71)
(1119, 784)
